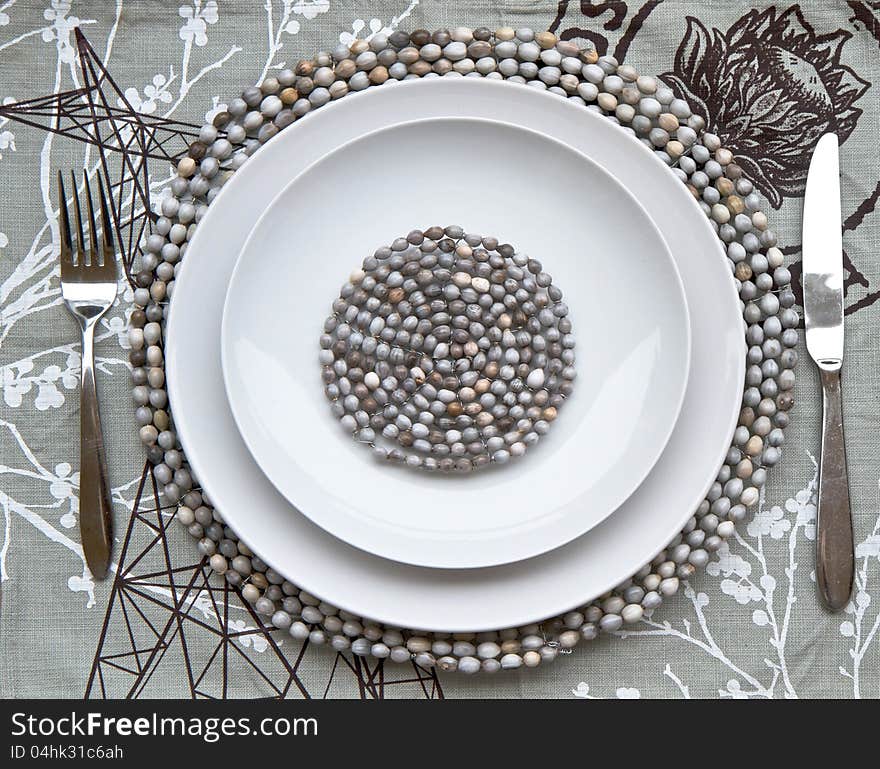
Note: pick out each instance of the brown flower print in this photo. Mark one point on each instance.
(867, 14)
(769, 87)
(583, 20)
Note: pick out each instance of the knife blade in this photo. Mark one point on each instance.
(823, 256)
(823, 317)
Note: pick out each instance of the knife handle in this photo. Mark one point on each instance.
(835, 561)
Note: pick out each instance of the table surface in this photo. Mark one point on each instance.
(749, 626)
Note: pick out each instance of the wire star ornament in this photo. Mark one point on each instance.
(99, 113)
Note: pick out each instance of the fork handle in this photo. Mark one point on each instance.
(835, 561)
(95, 523)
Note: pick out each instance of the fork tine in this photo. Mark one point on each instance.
(80, 236)
(66, 255)
(109, 267)
(93, 236)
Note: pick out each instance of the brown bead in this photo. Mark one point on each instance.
(420, 37)
(733, 171)
(161, 419)
(405, 439)
(735, 204)
(725, 186)
(288, 96)
(742, 271)
(345, 69)
(549, 413)
(304, 68)
(378, 75)
(221, 119)
(197, 150)
(138, 319)
(419, 68)
(589, 56)
(396, 295)
(784, 401)
(754, 446)
(259, 580)
(455, 409)
(546, 39)
(408, 55)
(479, 49)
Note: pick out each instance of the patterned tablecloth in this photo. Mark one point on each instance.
(770, 78)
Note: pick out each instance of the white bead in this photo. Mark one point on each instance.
(749, 496)
(535, 379)
(400, 654)
(371, 380)
(511, 661)
(299, 630)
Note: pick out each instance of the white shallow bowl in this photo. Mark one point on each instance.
(454, 599)
(627, 307)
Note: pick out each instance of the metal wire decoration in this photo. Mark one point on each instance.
(170, 618)
(99, 113)
(172, 621)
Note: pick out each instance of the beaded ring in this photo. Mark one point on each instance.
(452, 346)
(639, 104)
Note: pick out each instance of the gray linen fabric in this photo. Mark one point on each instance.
(769, 76)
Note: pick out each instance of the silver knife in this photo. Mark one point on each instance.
(823, 313)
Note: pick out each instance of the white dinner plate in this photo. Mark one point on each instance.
(625, 300)
(454, 599)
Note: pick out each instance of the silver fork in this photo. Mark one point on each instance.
(88, 285)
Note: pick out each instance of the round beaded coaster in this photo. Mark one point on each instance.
(642, 105)
(452, 347)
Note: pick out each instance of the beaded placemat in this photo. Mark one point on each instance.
(640, 104)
